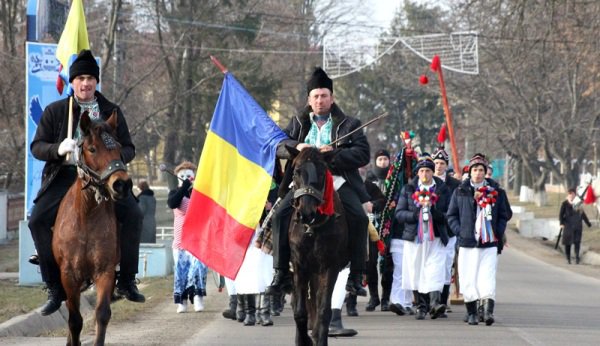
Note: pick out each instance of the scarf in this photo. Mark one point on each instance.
(483, 221)
(425, 224)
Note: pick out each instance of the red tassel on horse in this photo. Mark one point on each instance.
(326, 208)
(589, 196)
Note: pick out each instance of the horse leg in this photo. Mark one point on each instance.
(73, 303)
(300, 313)
(311, 306)
(323, 295)
(104, 288)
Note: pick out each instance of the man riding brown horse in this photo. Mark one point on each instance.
(320, 123)
(52, 145)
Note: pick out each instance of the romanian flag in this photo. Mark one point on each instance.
(233, 179)
(74, 38)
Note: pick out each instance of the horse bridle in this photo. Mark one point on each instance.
(309, 189)
(91, 177)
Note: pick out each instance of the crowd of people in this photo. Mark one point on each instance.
(435, 219)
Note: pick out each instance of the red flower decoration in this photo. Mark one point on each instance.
(423, 80)
(488, 196)
(424, 194)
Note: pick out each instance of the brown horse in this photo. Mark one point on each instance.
(85, 241)
(318, 246)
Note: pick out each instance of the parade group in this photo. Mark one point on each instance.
(413, 227)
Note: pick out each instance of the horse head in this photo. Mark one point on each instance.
(310, 172)
(99, 163)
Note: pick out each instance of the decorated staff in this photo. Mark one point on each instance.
(391, 231)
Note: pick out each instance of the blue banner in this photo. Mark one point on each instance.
(40, 84)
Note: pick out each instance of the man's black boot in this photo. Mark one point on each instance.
(351, 305)
(354, 285)
(488, 311)
(385, 299)
(56, 295)
(126, 287)
(282, 282)
(275, 304)
(437, 309)
(336, 328)
(230, 312)
(472, 317)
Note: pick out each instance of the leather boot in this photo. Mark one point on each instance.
(336, 328)
(240, 312)
(472, 318)
(275, 304)
(480, 311)
(265, 310)
(373, 303)
(354, 285)
(282, 282)
(250, 309)
(126, 287)
(230, 312)
(422, 306)
(397, 309)
(385, 299)
(437, 309)
(488, 311)
(351, 305)
(56, 295)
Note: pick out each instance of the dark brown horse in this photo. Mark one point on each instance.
(319, 246)
(85, 241)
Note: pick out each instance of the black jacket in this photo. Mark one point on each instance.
(52, 130)
(408, 213)
(463, 211)
(350, 153)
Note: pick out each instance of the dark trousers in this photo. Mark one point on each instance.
(386, 268)
(44, 214)
(357, 230)
(372, 273)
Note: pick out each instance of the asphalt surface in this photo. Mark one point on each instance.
(538, 303)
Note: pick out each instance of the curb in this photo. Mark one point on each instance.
(34, 324)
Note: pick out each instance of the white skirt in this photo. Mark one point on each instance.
(423, 266)
(256, 272)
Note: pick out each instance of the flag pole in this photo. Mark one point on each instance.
(437, 66)
(70, 124)
(218, 64)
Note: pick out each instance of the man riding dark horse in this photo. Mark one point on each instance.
(321, 123)
(52, 145)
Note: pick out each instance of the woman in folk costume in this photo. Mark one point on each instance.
(256, 272)
(571, 216)
(422, 206)
(441, 159)
(478, 213)
(190, 274)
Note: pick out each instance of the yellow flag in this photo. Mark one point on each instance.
(74, 38)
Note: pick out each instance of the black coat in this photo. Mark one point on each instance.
(572, 219)
(408, 213)
(377, 197)
(52, 130)
(462, 213)
(350, 153)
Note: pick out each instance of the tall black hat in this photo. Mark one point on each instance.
(85, 63)
(318, 80)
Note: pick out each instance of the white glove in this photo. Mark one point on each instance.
(68, 145)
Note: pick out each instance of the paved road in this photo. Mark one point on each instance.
(537, 304)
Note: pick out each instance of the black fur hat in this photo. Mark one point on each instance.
(85, 63)
(318, 80)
